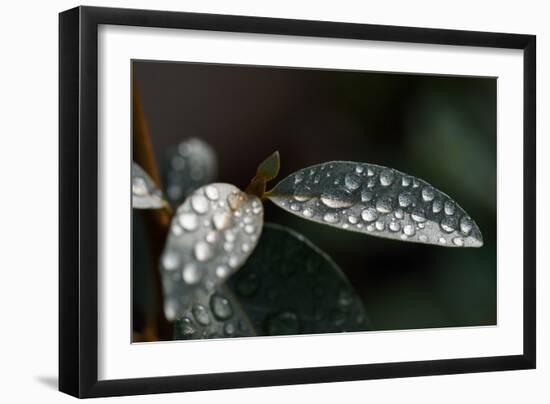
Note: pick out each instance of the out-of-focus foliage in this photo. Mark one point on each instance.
(188, 166)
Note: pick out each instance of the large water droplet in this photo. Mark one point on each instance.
(337, 198)
(170, 261)
(405, 199)
(191, 274)
(448, 224)
(283, 323)
(331, 217)
(201, 314)
(366, 195)
(437, 206)
(466, 225)
(203, 251)
(307, 212)
(399, 214)
(359, 169)
(186, 327)
(428, 194)
(352, 182)
(408, 230)
(449, 208)
(211, 192)
(302, 192)
(386, 177)
(380, 225)
(221, 307)
(369, 214)
(418, 215)
(384, 204)
(395, 226)
(199, 203)
(353, 219)
(189, 221)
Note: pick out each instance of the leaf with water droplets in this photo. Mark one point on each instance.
(211, 235)
(289, 286)
(212, 314)
(376, 200)
(190, 165)
(145, 194)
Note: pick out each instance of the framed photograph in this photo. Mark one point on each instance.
(251, 201)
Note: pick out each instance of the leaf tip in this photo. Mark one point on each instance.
(269, 168)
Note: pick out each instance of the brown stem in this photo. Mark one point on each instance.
(158, 220)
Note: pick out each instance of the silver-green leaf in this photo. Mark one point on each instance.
(211, 235)
(378, 201)
(145, 194)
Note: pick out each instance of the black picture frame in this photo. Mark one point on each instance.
(78, 201)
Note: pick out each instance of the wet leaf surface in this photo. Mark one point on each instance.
(211, 235)
(289, 286)
(145, 194)
(378, 201)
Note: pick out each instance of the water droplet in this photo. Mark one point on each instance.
(366, 195)
(466, 225)
(408, 230)
(458, 241)
(283, 323)
(386, 177)
(295, 207)
(176, 230)
(449, 208)
(331, 217)
(405, 181)
(352, 182)
(222, 271)
(416, 184)
(228, 247)
(307, 212)
(245, 247)
(212, 237)
(189, 221)
(345, 298)
(230, 236)
(170, 261)
(399, 214)
(394, 226)
(233, 261)
(249, 229)
(379, 225)
(221, 220)
(299, 176)
(442, 240)
(370, 172)
(359, 169)
(139, 186)
(428, 194)
(369, 214)
(203, 251)
(186, 327)
(221, 307)
(384, 205)
(405, 199)
(423, 238)
(201, 314)
(199, 203)
(337, 198)
(370, 227)
(229, 329)
(448, 224)
(418, 215)
(437, 206)
(371, 183)
(191, 274)
(302, 192)
(211, 192)
(353, 219)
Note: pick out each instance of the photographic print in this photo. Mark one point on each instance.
(272, 201)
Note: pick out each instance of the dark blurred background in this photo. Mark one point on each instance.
(441, 129)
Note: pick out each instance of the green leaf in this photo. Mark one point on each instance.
(378, 201)
(269, 168)
(190, 165)
(211, 235)
(145, 194)
(289, 286)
